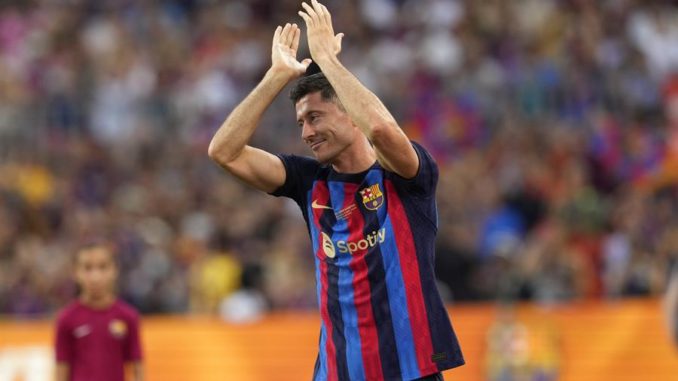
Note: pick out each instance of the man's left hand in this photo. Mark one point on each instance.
(322, 42)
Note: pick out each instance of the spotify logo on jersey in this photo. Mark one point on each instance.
(328, 246)
(366, 243)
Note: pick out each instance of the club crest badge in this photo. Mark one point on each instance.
(117, 328)
(372, 197)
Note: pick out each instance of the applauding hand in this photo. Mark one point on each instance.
(322, 42)
(284, 51)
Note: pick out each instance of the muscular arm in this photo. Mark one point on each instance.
(229, 148)
(393, 148)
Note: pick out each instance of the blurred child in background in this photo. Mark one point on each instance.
(671, 305)
(97, 335)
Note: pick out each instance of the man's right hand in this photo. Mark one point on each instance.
(284, 52)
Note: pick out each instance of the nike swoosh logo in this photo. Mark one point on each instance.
(82, 331)
(315, 205)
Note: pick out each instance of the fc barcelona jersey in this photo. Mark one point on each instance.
(373, 236)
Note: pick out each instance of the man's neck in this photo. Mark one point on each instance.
(97, 303)
(357, 158)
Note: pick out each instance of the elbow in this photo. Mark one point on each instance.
(222, 155)
(218, 154)
(213, 151)
(382, 131)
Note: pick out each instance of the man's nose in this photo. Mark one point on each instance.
(307, 131)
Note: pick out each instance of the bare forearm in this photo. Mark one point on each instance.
(137, 372)
(362, 105)
(62, 372)
(392, 146)
(394, 150)
(238, 128)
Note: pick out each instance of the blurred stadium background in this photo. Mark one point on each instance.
(555, 124)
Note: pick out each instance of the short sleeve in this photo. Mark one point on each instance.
(63, 342)
(424, 183)
(299, 174)
(133, 345)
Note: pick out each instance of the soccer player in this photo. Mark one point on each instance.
(368, 198)
(98, 334)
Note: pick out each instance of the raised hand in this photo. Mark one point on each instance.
(284, 51)
(322, 42)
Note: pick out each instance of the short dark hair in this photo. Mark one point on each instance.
(92, 243)
(313, 83)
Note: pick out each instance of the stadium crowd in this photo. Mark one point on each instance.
(554, 122)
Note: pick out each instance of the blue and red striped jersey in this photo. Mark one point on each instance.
(373, 235)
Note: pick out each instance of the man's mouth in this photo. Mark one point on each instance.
(316, 144)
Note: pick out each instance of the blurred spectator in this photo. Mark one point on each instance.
(247, 304)
(554, 123)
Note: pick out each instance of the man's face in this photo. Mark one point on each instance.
(96, 272)
(326, 128)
